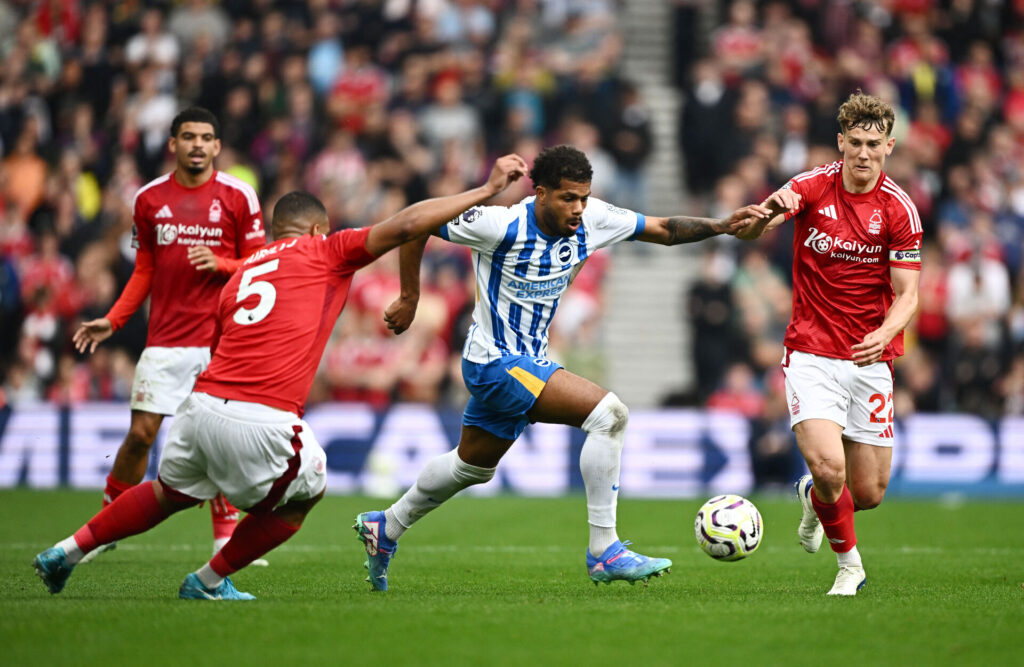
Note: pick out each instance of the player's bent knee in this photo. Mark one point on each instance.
(868, 496)
(140, 437)
(610, 416)
(827, 473)
(138, 443)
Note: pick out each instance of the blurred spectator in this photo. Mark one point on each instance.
(739, 392)
(710, 311)
(195, 22)
(630, 143)
(152, 45)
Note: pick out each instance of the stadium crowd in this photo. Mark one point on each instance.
(368, 105)
(374, 104)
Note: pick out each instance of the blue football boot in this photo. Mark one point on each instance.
(618, 562)
(52, 567)
(193, 589)
(379, 549)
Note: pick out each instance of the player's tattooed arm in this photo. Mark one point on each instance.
(687, 229)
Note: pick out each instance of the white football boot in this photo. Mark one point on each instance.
(810, 531)
(849, 580)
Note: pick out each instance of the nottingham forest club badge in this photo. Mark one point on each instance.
(875, 223)
(215, 210)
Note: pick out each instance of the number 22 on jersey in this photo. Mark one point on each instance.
(261, 288)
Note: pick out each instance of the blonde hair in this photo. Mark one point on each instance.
(866, 111)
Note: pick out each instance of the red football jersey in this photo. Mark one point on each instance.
(276, 314)
(843, 246)
(223, 214)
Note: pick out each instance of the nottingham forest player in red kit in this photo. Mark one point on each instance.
(192, 229)
(856, 265)
(240, 431)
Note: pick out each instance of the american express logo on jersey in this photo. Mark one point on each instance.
(529, 290)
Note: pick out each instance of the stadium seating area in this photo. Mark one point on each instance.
(372, 105)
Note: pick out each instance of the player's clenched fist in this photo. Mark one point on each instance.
(507, 170)
(202, 258)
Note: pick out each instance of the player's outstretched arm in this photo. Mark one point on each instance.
(400, 314)
(424, 217)
(685, 229)
(780, 203)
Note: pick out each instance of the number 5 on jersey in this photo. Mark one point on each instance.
(261, 288)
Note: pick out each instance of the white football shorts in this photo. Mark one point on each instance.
(858, 399)
(164, 377)
(259, 457)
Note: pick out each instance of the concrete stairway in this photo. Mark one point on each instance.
(645, 333)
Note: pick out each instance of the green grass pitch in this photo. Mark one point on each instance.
(501, 581)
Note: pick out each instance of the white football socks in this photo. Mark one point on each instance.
(72, 552)
(600, 462)
(849, 558)
(209, 578)
(440, 479)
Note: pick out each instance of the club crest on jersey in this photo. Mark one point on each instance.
(875, 223)
(564, 252)
(215, 210)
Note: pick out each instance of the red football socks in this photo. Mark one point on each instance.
(134, 511)
(225, 517)
(114, 488)
(837, 520)
(255, 535)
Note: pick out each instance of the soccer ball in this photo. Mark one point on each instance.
(728, 527)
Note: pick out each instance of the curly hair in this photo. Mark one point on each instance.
(557, 162)
(866, 111)
(195, 115)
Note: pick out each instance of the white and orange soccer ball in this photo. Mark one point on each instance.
(728, 527)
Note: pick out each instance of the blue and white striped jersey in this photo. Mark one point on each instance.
(521, 272)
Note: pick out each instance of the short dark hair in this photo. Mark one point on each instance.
(195, 115)
(557, 162)
(296, 204)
